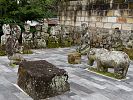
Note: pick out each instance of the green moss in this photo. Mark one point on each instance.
(129, 52)
(53, 45)
(12, 65)
(109, 74)
(28, 51)
(2, 53)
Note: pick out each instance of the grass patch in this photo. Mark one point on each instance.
(12, 65)
(28, 51)
(2, 53)
(2, 50)
(109, 74)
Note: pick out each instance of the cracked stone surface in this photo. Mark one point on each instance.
(84, 85)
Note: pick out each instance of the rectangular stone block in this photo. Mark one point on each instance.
(110, 13)
(92, 24)
(104, 19)
(62, 22)
(67, 23)
(78, 23)
(108, 25)
(86, 19)
(63, 17)
(117, 13)
(130, 12)
(98, 19)
(78, 19)
(112, 19)
(129, 20)
(127, 27)
(116, 25)
(41, 79)
(93, 18)
(121, 20)
(74, 58)
(84, 13)
(131, 5)
(79, 13)
(73, 2)
(72, 23)
(68, 18)
(125, 13)
(99, 24)
(82, 19)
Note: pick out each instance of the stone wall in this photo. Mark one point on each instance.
(98, 13)
(109, 17)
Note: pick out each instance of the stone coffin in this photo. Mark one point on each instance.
(74, 58)
(41, 79)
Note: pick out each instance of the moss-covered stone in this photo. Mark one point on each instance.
(74, 58)
(53, 42)
(67, 42)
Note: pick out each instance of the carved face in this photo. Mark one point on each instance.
(27, 28)
(16, 31)
(6, 29)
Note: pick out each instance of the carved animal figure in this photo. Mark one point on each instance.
(109, 59)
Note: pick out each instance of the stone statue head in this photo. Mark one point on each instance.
(27, 28)
(16, 31)
(6, 29)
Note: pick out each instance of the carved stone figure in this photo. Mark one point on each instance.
(7, 31)
(109, 59)
(27, 37)
(40, 36)
(12, 34)
(45, 27)
(27, 28)
(84, 38)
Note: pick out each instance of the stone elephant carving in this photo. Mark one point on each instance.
(109, 59)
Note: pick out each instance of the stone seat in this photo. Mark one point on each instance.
(41, 79)
(74, 58)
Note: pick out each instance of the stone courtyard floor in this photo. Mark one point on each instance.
(84, 85)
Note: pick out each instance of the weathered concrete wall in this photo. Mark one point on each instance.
(108, 14)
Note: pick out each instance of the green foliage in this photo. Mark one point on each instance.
(12, 12)
(2, 51)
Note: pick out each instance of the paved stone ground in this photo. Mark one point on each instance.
(84, 85)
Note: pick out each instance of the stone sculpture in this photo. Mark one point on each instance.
(40, 36)
(109, 59)
(27, 37)
(12, 34)
(7, 31)
(84, 38)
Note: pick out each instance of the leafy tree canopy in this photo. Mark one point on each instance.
(23, 10)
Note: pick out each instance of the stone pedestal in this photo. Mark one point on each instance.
(74, 58)
(40, 79)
